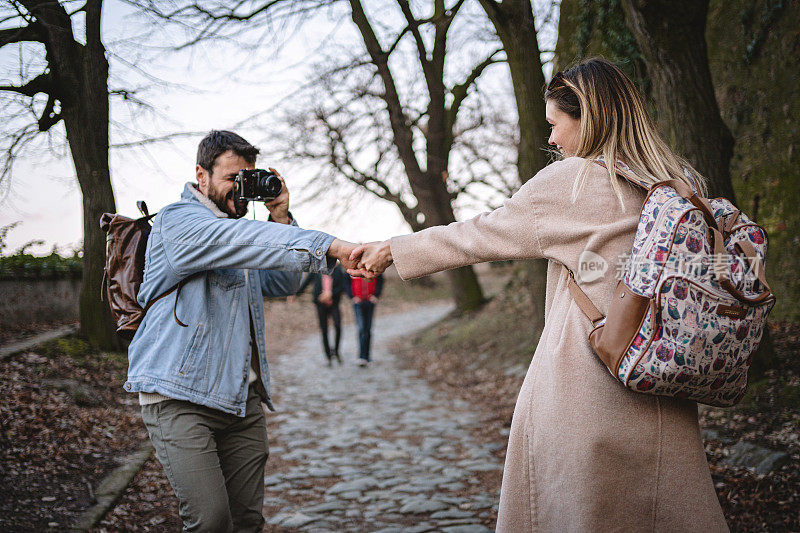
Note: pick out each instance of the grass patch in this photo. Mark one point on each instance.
(499, 336)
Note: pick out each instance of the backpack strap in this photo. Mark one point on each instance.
(177, 288)
(580, 297)
(719, 264)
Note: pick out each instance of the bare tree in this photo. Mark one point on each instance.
(69, 87)
(398, 120)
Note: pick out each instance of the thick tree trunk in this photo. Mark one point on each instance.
(91, 166)
(86, 114)
(434, 203)
(516, 27)
(98, 198)
(671, 36)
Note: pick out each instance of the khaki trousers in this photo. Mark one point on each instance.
(214, 462)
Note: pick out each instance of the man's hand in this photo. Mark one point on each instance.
(372, 258)
(343, 251)
(279, 207)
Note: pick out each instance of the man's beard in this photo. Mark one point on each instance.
(221, 201)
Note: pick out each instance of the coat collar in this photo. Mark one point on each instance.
(191, 191)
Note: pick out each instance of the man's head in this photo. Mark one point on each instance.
(220, 156)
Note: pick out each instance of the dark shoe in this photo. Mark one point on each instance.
(338, 357)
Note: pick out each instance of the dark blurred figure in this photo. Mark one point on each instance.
(327, 293)
(365, 294)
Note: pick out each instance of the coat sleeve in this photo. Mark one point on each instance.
(539, 221)
(307, 280)
(279, 283)
(194, 240)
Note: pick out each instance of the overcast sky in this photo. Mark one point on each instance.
(212, 86)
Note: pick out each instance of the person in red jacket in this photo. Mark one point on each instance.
(365, 294)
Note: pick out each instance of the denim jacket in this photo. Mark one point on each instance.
(237, 262)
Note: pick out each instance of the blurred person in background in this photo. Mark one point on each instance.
(365, 294)
(326, 295)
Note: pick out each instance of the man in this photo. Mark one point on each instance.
(326, 294)
(198, 359)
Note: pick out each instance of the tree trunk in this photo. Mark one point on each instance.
(671, 36)
(86, 114)
(91, 166)
(516, 27)
(434, 202)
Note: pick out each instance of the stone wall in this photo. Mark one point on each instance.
(31, 301)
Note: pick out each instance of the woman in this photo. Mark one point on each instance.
(584, 452)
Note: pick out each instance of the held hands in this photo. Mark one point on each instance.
(279, 207)
(343, 251)
(372, 259)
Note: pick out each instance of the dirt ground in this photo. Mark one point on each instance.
(63, 424)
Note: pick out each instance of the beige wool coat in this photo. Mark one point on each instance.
(584, 452)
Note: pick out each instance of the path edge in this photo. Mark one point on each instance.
(112, 486)
(11, 349)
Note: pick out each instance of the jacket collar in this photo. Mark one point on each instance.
(192, 192)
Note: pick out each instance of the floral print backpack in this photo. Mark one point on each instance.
(688, 314)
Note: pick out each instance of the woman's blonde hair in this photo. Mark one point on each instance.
(615, 125)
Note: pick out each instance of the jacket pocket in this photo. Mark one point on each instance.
(197, 343)
(227, 279)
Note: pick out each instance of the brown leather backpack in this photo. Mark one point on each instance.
(126, 242)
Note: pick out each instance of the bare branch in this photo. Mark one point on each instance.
(397, 40)
(413, 26)
(402, 133)
(18, 35)
(220, 20)
(459, 92)
(18, 140)
(49, 117)
(155, 140)
(130, 96)
(42, 83)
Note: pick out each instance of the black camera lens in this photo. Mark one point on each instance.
(268, 185)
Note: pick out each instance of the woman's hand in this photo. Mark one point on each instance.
(375, 258)
(344, 251)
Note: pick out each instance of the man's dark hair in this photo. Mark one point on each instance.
(217, 142)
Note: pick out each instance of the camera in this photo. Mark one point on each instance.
(257, 184)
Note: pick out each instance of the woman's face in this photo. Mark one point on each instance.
(565, 131)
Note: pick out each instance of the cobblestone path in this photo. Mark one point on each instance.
(377, 448)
